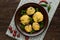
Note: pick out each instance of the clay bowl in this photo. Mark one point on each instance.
(25, 6)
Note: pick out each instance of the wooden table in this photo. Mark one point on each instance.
(7, 9)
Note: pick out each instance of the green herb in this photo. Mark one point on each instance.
(23, 12)
(49, 7)
(32, 31)
(41, 24)
(22, 26)
(31, 20)
(44, 5)
(37, 9)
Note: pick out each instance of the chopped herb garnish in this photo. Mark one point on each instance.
(37, 9)
(22, 26)
(23, 12)
(41, 24)
(32, 31)
(31, 20)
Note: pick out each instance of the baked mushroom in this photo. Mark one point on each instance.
(36, 26)
(28, 28)
(24, 19)
(30, 10)
(38, 17)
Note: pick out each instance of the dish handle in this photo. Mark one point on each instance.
(43, 1)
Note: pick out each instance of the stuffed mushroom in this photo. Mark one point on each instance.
(28, 28)
(36, 26)
(24, 19)
(38, 17)
(30, 10)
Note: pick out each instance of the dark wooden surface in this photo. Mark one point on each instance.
(7, 9)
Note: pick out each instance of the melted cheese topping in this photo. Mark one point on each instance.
(36, 26)
(30, 10)
(28, 28)
(38, 17)
(25, 19)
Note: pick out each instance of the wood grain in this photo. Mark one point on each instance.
(7, 9)
(53, 32)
